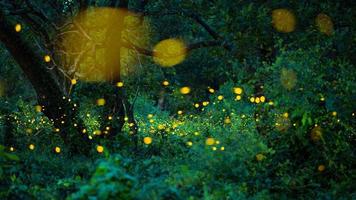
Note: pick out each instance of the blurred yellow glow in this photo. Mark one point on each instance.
(147, 140)
(100, 149)
(227, 120)
(222, 148)
(189, 143)
(100, 102)
(321, 168)
(47, 58)
(260, 157)
(252, 99)
(12, 149)
(18, 27)
(316, 133)
(169, 52)
(210, 141)
(324, 24)
(238, 97)
(94, 47)
(196, 105)
(31, 146)
(120, 84)
(165, 83)
(149, 116)
(263, 99)
(38, 108)
(57, 150)
(257, 100)
(283, 20)
(220, 97)
(211, 90)
(238, 90)
(73, 81)
(288, 78)
(334, 113)
(184, 90)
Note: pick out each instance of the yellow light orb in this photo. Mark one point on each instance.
(100, 149)
(263, 99)
(196, 105)
(220, 97)
(149, 116)
(184, 90)
(165, 83)
(286, 115)
(283, 20)
(260, 157)
(238, 90)
(210, 141)
(100, 102)
(147, 140)
(18, 28)
(252, 99)
(334, 113)
(222, 148)
(257, 100)
(31, 146)
(205, 103)
(120, 84)
(169, 52)
(73, 81)
(57, 150)
(38, 108)
(211, 90)
(227, 120)
(316, 133)
(238, 98)
(12, 149)
(47, 58)
(321, 168)
(189, 143)
(180, 112)
(324, 24)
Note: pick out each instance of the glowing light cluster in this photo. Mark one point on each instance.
(169, 52)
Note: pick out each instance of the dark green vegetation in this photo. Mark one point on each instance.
(270, 113)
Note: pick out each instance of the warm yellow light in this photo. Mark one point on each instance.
(222, 148)
(252, 99)
(180, 112)
(286, 115)
(283, 20)
(321, 168)
(169, 52)
(324, 24)
(147, 140)
(100, 102)
(196, 105)
(257, 100)
(57, 150)
(120, 84)
(107, 27)
(189, 143)
(38, 108)
(220, 97)
(334, 113)
(211, 90)
(165, 83)
(73, 81)
(18, 27)
(100, 149)
(205, 103)
(31, 146)
(227, 120)
(12, 149)
(47, 58)
(238, 98)
(238, 90)
(210, 141)
(161, 127)
(184, 90)
(149, 116)
(260, 157)
(263, 99)
(109, 117)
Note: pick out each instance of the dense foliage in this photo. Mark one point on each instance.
(268, 113)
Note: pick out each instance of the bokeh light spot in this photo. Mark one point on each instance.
(283, 20)
(169, 52)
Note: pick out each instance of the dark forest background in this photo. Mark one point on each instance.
(177, 99)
